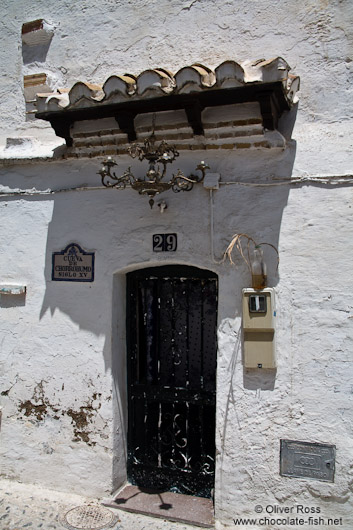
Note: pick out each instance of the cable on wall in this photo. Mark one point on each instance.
(319, 179)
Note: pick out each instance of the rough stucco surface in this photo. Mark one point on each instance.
(93, 41)
(63, 345)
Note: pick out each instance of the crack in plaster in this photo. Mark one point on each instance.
(188, 8)
(6, 392)
(329, 497)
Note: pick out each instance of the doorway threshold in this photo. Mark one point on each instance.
(176, 507)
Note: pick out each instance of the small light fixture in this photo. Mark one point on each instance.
(152, 183)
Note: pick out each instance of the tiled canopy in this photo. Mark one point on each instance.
(192, 89)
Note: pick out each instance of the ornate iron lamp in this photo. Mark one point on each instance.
(152, 183)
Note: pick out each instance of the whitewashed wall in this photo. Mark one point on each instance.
(93, 41)
(62, 346)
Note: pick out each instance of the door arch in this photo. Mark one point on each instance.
(171, 350)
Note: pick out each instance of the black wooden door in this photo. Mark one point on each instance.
(171, 324)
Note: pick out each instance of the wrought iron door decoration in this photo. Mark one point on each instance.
(158, 157)
(172, 374)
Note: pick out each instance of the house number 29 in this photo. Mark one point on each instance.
(164, 242)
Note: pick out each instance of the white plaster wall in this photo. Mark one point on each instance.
(312, 394)
(51, 362)
(56, 348)
(95, 40)
(62, 346)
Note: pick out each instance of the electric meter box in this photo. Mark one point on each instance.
(259, 316)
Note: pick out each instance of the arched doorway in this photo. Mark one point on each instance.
(171, 348)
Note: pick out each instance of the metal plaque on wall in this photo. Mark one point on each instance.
(307, 460)
(73, 264)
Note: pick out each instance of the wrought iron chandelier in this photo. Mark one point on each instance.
(158, 156)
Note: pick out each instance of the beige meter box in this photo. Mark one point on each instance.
(259, 316)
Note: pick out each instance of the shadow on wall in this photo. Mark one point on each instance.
(38, 53)
(258, 213)
(12, 301)
(118, 226)
(85, 219)
(119, 371)
(36, 39)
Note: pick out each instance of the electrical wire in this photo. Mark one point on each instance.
(317, 179)
(214, 260)
(320, 179)
(33, 191)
